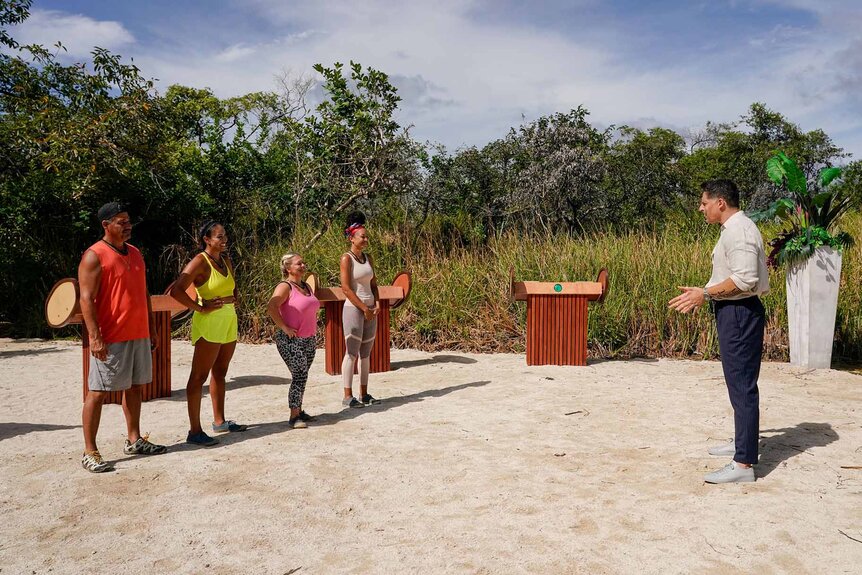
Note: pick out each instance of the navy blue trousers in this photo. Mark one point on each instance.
(740, 326)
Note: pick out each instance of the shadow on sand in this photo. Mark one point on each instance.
(261, 430)
(12, 429)
(27, 352)
(792, 441)
(431, 360)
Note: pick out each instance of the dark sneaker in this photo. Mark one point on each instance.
(305, 417)
(143, 447)
(296, 423)
(351, 402)
(229, 425)
(94, 463)
(367, 399)
(201, 438)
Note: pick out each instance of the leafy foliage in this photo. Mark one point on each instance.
(280, 173)
(811, 211)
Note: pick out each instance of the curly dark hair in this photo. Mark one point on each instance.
(355, 218)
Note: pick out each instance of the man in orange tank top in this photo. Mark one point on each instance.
(116, 309)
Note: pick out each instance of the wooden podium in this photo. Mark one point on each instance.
(557, 318)
(333, 298)
(62, 308)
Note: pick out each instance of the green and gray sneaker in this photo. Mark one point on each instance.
(143, 447)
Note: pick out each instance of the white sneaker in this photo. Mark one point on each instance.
(731, 473)
(726, 450)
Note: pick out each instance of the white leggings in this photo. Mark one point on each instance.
(358, 339)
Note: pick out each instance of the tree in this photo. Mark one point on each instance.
(644, 176)
(739, 151)
(560, 169)
(360, 151)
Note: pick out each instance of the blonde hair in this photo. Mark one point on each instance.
(285, 264)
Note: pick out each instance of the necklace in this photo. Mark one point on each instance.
(304, 290)
(220, 264)
(122, 252)
(362, 261)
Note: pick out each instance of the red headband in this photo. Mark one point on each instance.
(351, 229)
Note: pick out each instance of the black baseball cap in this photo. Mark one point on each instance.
(110, 210)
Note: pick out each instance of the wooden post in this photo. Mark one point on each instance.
(161, 384)
(557, 318)
(333, 304)
(335, 347)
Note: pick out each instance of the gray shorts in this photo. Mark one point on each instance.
(128, 363)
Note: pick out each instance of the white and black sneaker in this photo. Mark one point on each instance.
(92, 461)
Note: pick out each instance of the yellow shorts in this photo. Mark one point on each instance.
(218, 326)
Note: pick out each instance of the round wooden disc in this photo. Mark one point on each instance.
(62, 305)
(312, 281)
(603, 279)
(405, 281)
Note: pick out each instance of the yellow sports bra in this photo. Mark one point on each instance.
(217, 285)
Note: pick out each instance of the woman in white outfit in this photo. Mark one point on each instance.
(361, 307)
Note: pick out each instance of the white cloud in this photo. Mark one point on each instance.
(235, 52)
(79, 34)
(467, 78)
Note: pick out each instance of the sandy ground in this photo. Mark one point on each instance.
(473, 464)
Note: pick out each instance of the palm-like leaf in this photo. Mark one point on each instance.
(796, 182)
(775, 170)
(820, 199)
(827, 175)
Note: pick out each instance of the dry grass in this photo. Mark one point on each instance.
(460, 296)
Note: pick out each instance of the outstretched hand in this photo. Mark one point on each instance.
(690, 299)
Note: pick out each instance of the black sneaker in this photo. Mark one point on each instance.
(296, 423)
(367, 399)
(351, 402)
(201, 438)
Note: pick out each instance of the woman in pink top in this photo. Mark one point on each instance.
(293, 308)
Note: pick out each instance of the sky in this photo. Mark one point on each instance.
(468, 70)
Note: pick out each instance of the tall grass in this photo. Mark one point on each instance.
(460, 297)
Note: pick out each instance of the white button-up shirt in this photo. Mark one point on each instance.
(739, 255)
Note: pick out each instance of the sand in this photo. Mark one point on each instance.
(473, 464)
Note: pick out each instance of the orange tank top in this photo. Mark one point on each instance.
(121, 304)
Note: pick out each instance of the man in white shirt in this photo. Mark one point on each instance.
(739, 276)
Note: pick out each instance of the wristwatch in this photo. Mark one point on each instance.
(706, 297)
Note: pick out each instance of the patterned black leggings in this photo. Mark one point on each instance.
(297, 353)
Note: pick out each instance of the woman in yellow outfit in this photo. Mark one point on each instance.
(213, 328)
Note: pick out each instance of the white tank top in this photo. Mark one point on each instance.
(361, 275)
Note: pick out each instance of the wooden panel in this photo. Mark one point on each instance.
(335, 348)
(520, 290)
(167, 303)
(161, 384)
(557, 329)
(326, 294)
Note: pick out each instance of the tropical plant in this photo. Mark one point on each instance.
(812, 211)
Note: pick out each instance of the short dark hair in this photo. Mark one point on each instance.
(724, 189)
(205, 231)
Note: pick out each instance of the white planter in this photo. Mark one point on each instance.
(812, 300)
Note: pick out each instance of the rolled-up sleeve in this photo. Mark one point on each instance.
(743, 261)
